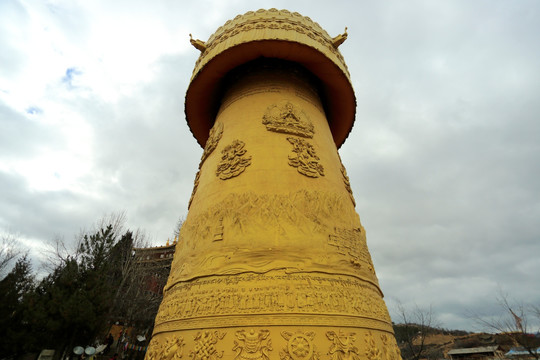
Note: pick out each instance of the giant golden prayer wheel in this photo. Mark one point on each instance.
(273, 261)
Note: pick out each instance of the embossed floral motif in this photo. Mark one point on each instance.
(213, 139)
(233, 160)
(252, 345)
(342, 347)
(305, 160)
(299, 346)
(372, 351)
(205, 348)
(286, 118)
(172, 349)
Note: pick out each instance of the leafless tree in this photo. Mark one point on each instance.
(414, 325)
(138, 297)
(9, 251)
(129, 267)
(59, 251)
(178, 226)
(518, 322)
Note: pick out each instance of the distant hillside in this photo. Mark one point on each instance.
(440, 341)
(401, 331)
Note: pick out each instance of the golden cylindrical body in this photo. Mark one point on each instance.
(272, 261)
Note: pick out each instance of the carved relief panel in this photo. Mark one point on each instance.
(205, 345)
(233, 160)
(304, 158)
(299, 346)
(252, 345)
(347, 183)
(372, 351)
(285, 118)
(213, 139)
(171, 349)
(390, 348)
(342, 346)
(349, 242)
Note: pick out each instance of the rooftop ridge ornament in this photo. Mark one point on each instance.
(197, 44)
(340, 39)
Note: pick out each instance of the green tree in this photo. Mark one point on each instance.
(71, 305)
(14, 288)
(9, 251)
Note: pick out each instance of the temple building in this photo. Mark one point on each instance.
(142, 292)
(155, 263)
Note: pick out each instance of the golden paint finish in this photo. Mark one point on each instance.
(272, 261)
(277, 34)
(205, 345)
(305, 158)
(270, 24)
(285, 118)
(233, 160)
(252, 345)
(299, 346)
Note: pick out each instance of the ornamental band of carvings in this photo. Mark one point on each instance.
(253, 22)
(172, 349)
(288, 294)
(233, 160)
(271, 320)
(305, 159)
(299, 346)
(205, 348)
(252, 345)
(372, 351)
(342, 346)
(287, 119)
(321, 208)
(213, 139)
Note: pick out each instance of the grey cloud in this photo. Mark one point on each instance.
(25, 134)
(443, 158)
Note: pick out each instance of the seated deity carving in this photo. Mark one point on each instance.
(287, 119)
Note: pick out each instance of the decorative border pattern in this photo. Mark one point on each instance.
(274, 319)
(272, 19)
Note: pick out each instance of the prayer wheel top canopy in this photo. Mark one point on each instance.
(277, 34)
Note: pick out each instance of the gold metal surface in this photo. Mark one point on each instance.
(276, 34)
(272, 261)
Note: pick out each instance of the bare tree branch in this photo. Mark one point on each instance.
(178, 226)
(416, 325)
(514, 323)
(9, 250)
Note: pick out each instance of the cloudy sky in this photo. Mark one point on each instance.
(444, 158)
